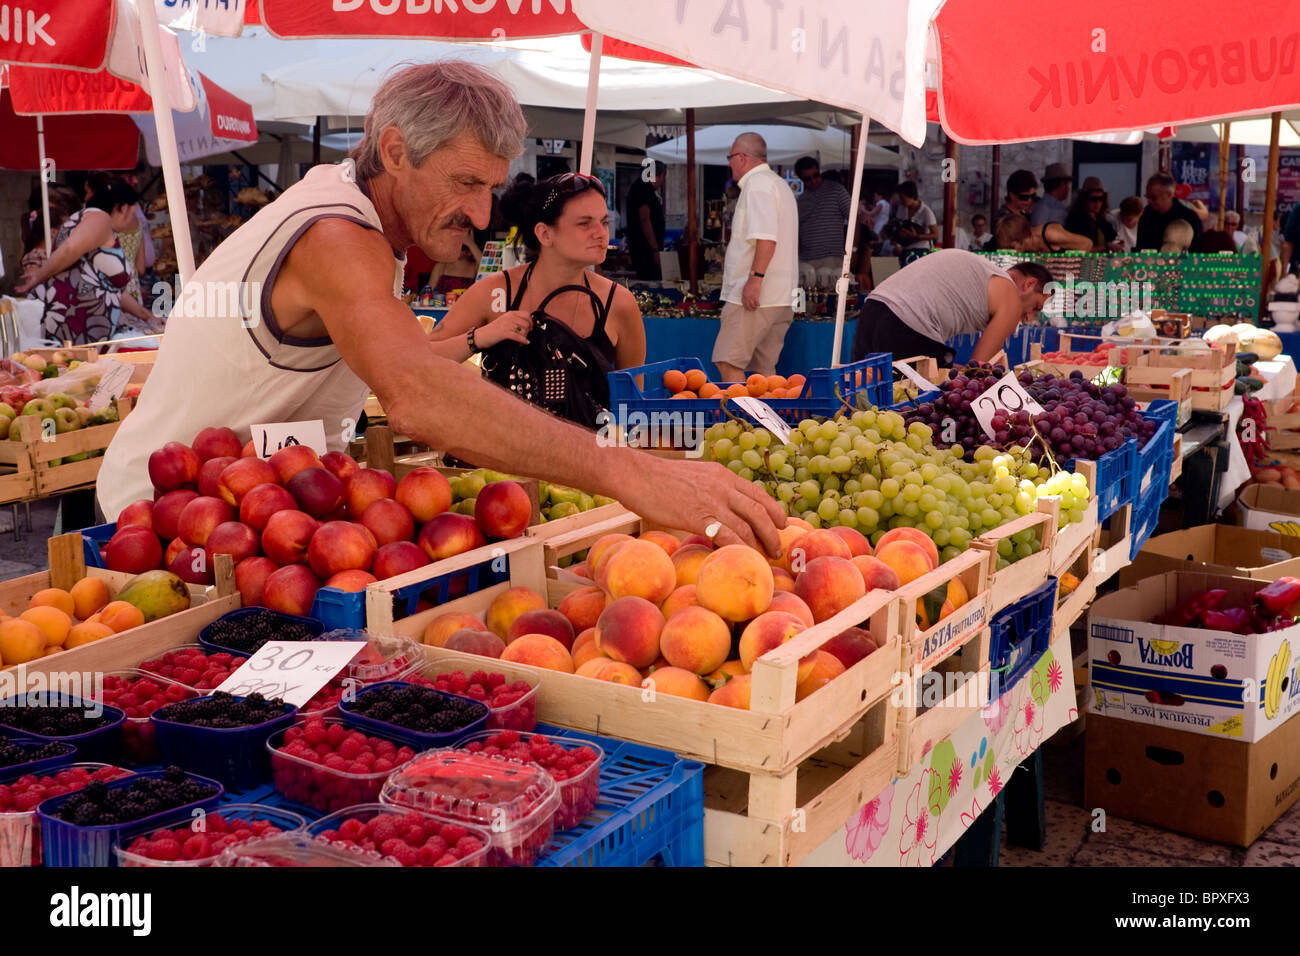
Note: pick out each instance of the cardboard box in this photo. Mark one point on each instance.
(1267, 508)
(1217, 549)
(1223, 790)
(1208, 682)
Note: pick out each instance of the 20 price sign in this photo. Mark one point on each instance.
(1007, 397)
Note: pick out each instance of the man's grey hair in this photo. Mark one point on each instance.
(1232, 216)
(433, 103)
(752, 145)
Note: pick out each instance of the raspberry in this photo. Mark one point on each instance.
(414, 835)
(425, 856)
(197, 847)
(165, 849)
(451, 833)
(448, 860)
(384, 827)
(390, 846)
(478, 677)
(314, 732)
(335, 734)
(349, 749)
(467, 845)
(351, 829)
(405, 855)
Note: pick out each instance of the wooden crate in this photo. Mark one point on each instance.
(1036, 362)
(569, 536)
(1014, 582)
(43, 451)
(1153, 367)
(141, 363)
(1111, 553)
(1179, 390)
(1176, 466)
(924, 717)
(1073, 605)
(74, 353)
(17, 477)
(923, 649)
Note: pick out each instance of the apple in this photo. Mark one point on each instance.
(60, 400)
(210, 475)
(261, 502)
(173, 466)
(287, 535)
(173, 549)
(137, 513)
(167, 510)
(397, 558)
(216, 443)
(317, 492)
(425, 492)
(389, 521)
(502, 509)
(250, 578)
(192, 566)
(449, 534)
(200, 517)
(235, 539)
(351, 580)
(340, 546)
(242, 476)
(7, 410)
(39, 406)
(340, 465)
(366, 486)
(134, 550)
(287, 462)
(291, 590)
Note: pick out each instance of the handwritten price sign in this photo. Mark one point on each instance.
(268, 439)
(766, 416)
(292, 670)
(1006, 396)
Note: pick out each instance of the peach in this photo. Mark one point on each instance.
(53, 623)
(250, 578)
(813, 545)
(235, 539)
(629, 629)
(677, 682)
(120, 616)
(450, 534)
(291, 590)
(173, 549)
(191, 565)
(210, 475)
(791, 603)
(580, 569)
(136, 513)
(396, 558)
(782, 579)
(317, 492)
(167, 512)
(389, 521)
(215, 442)
(22, 641)
(242, 476)
(695, 640)
(588, 651)
(856, 540)
(699, 539)
(734, 693)
(876, 574)
(340, 546)
(249, 450)
(173, 466)
(788, 535)
(659, 662)
(134, 550)
(613, 672)
(262, 501)
(503, 509)
(88, 596)
(287, 535)
(768, 631)
(342, 466)
(726, 672)
(585, 637)
(508, 605)
(798, 523)
(201, 517)
(367, 486)
(425, 492)
(86, 632)
(55, 597)
(826, 667)
(828, 586)
(601, 549)
(850, 646)
(906, 558)
(288, 461)
(542, 621)
(916, 536)
(686, 562)
(539, 651)
(444, 625)
(351, 580)
(582, 607)
(682, 597)
(735, 582)
(639, 569)
(668, 542)
(482, 643)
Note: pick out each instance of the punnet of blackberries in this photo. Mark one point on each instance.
(223, 711)
(12, 753)
(62, 720)
(421, 709)
(247, 633)
(96, 804)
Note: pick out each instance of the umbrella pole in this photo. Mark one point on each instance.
(1270, 204)
(993, 186)
(589, 113)
(950, 193)
(842, 284)
(1224, 147)
(171, 164)
(45, 185)
(692, 212)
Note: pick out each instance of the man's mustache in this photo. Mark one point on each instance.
(459, 221)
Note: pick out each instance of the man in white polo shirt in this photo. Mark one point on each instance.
(761, 268)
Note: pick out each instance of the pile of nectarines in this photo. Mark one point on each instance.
(58, 620)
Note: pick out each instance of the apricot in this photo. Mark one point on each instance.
(683, 596)
(756, 384)
(55, 597)
(826, 667)
(53, 623)
(736, 390)
(686, 562)
(709, 390)
(121, 616)
(695, 640)
(615, 672)
(582, 607)
(639, 569)
(876, 574)
(674, 380)
(735, 582)
(794, 384)
(695, 378)
(907, 559)
(828, 586)
(768, 631)
(539, 651)
(791, 603)
(20, 641)
(677, 682)
(88, 596)
(685, 394)
(508, 605)
(734, 693)
(86, 632)
(916, 536)
(628, 631)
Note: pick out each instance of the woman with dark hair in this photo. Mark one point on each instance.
(1087, 217)
(63, 203)
(1015, 232)
(550, 329)
(82, 283)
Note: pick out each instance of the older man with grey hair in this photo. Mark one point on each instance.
(319, 323)
(761, 268)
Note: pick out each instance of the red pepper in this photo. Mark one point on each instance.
(1186, 613)
(1236, 620)
(1279, 595)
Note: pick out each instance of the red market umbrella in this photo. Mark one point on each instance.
(426, 19)
(83, 142)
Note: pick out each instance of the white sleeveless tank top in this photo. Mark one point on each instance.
(224, 360)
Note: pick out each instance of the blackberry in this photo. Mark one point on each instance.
(222, 711)
(97, 805)
(13, 753)
(59, 721)
(248, 633)
(421, 709)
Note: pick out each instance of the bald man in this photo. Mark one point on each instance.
(761, 269)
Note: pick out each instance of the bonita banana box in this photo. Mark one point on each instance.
(1235, 686)
(1266, 508)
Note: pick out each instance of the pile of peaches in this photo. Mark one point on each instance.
(689, 620)
(296, 522)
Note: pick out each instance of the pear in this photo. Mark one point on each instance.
(156, 593)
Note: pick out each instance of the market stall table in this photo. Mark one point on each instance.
(807, 343)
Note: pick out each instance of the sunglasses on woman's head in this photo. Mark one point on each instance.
(570, 184)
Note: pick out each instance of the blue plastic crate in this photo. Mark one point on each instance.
(908, 404)
(92, 539)
(1151, 476)
(651, 807)
(820, 391)
(420, 741)
(1019, 634)
(103, 744)
(1114, 478)
(208, 644)
(45, 765)
(235, 756)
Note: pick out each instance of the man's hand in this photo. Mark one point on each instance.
(749, 296)
(695, 496)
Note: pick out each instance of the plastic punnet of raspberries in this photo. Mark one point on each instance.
(184, 844)
(412, 839)
(574, 765)
(511, 706)
(327, 765)
(194, 667)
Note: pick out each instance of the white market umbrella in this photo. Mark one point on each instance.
(785, 144)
